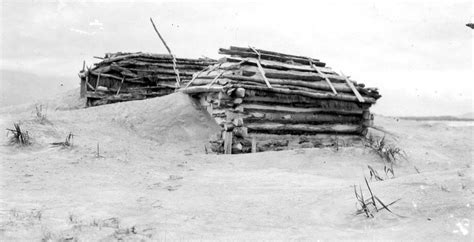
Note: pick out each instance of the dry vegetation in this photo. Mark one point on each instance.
(368, 206)
(18, 136)
(67, 143)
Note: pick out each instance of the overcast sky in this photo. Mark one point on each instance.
(418, 53)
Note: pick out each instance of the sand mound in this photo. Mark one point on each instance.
(171, 119)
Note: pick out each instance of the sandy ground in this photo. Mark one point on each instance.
(153, 181)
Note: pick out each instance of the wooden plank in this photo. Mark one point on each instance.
(351, 85)
(325, 78)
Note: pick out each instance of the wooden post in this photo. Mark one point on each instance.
(178, 79)
(227, 142)
(83, 87)
(254, 145)
(97, 82)
(120, 87)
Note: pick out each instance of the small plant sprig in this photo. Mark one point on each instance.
(18, 136)
(97, 154)
(67, 143)
(369, 206)
(40, 115)
(387, 152)
(375, 175)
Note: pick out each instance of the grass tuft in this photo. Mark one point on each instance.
(387, 152)
(40, 114)
(66, 143)
(369, 206)
(18, 136)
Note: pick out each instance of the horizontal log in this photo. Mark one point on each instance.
(301, 103)
(151, 69)
(317, 86)
(268, 57)
(267, 142)
(278, 108)
(124, 71)
(308, 94)
(178, 61)
(278, 65)
(158, 71)
(105, 75)
(290, 74)
(272, 53)
(279, 128)
(302, 118)
(201, 89)
(149, 56)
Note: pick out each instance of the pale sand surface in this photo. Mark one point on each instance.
(154, 181)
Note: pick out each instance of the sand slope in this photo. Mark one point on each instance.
(153, 181)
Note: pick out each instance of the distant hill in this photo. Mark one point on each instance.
(439, 118)
(467, 115)
(19, 87)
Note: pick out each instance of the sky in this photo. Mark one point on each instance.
(419, 53)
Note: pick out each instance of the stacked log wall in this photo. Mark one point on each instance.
(300, 108)
(133, 76)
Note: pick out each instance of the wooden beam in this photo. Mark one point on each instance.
(289, 109)
(351, 85)
(215, 79)
(291, 74)
(318, 85)
(325, 78)
(272, 53)
(178, 80)
(227, 142)
(201, 89)
(97, 82)
(120, 87)
(268, 57)
(260, 68)
(305, 93)
(254, 145)
(303, 128)
(278, 65)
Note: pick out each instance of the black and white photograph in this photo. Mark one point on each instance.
(236, 120)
